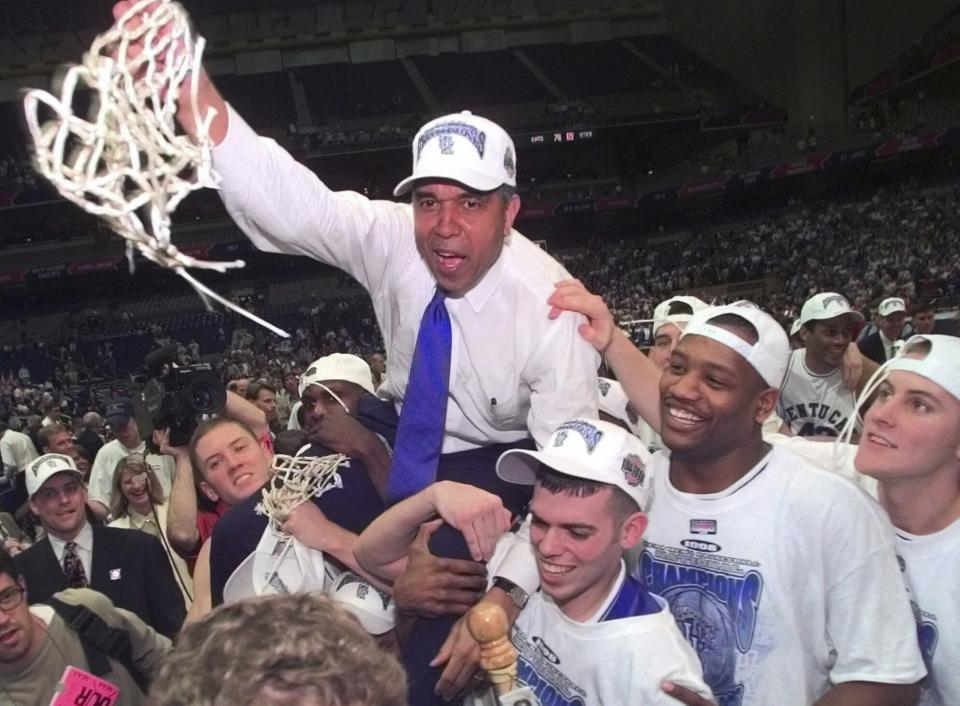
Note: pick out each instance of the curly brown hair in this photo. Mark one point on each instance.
(277, 650)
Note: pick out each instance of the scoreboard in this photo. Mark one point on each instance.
(559, 137)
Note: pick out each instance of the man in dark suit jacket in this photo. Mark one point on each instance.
(880, 346)
(128, 566)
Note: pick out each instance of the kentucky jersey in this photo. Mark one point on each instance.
(621, 656)
(784, 583)
(811, 404)
(930, 563)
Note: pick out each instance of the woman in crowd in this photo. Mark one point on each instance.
(138, 503)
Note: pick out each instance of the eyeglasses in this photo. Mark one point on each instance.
(10, 598)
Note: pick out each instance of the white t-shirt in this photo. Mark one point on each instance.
(100, 485)
(610, 663)
(17, 449)
(811, 404)
(932, 571)
(786, 583)
(514, 373)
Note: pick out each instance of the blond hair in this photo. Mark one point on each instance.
(289, 649)
(119, 505)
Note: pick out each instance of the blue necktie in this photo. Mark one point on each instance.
(416, 450)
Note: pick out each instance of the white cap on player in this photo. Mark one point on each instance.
(662, 315)
(826, 305)
(768, 356)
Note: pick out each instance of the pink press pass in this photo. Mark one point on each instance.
(80, 688)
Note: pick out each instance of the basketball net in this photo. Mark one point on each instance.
(297, 479)
(125, 162)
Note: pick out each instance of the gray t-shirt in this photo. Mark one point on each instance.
(35, 684)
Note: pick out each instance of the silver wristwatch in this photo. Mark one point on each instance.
(517, 595)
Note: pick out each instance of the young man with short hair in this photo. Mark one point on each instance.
(128, 567)
(783, 576)
(37, 645)
(592, 634)
(911, 446)
(814, 399)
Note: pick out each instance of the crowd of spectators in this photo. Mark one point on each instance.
(900, 241)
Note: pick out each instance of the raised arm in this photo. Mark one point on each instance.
(480, 516)
(637, 373)
(182, 529)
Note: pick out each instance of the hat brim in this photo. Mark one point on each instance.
(519, 466)
(470, 178)
(824, 317)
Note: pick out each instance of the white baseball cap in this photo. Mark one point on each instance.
(590, 449)
(826, 305)
(768, 356)
(662, 315)
(465, 148)
(891, 306)
(40, 470)
(279, 564)
(338, 366)
(940, 365)
(371, 606)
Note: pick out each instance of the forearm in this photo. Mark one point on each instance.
(182, 509)
(247, 412)
(387, 539)
(202, 594)
(859, 693)
(639, 377)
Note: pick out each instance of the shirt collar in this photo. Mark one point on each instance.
(84, 540)
(489, 283)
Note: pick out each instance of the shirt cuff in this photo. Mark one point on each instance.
(520, 565)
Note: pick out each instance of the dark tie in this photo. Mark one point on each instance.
(424, 412)
(73, 567)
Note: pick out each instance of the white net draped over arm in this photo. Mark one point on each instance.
(125, 160)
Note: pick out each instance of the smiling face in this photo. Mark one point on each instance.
(911, 430)
(711, 400)
(578, 545)
(233, 463)
(19, 636)
(60, 503)
(460, 233)
(827, 340)
(134, 486)
(892, 325)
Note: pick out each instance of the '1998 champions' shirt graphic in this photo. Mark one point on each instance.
(538, 666)
(715, 600)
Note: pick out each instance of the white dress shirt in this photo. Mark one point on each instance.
(84, 542)
(512, 369)
(17, 449)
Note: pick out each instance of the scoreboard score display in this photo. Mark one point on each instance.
(559, 137)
